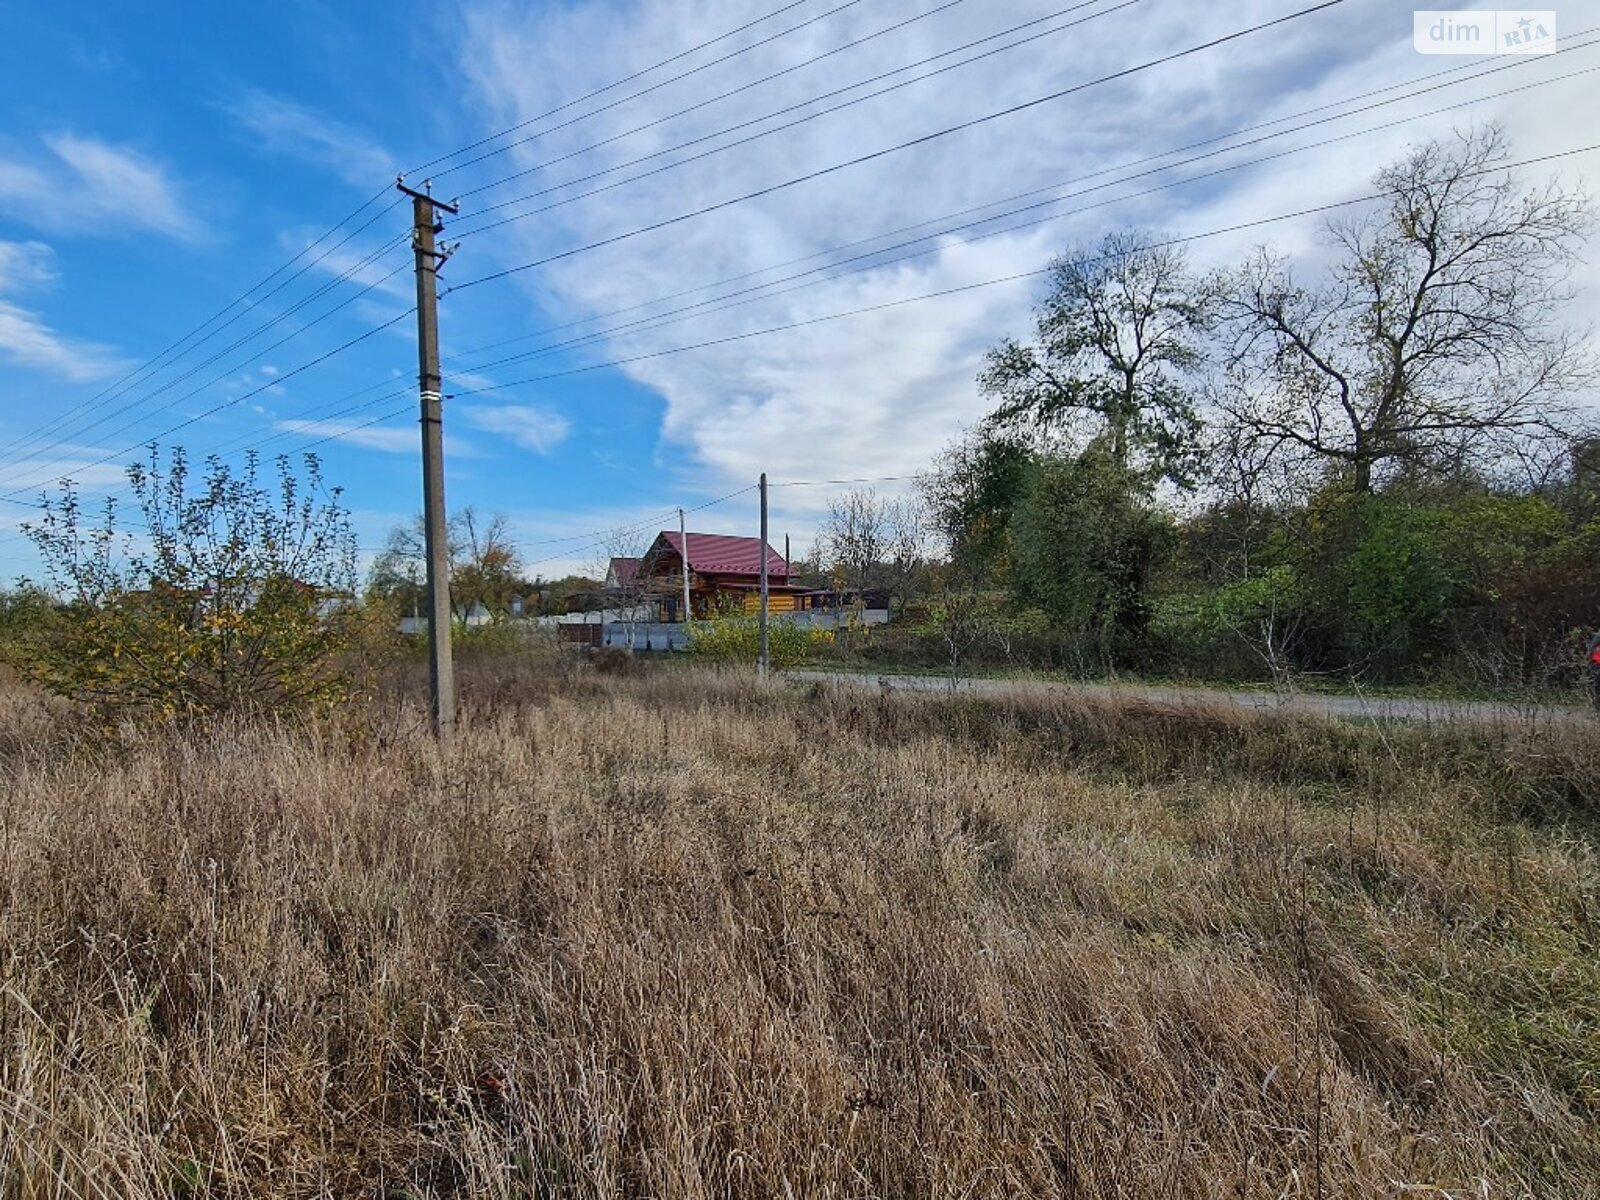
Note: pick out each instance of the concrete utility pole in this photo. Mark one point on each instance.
(441, 670)
(683, 548)
(763, 663)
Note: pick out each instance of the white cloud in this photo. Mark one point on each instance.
(25, 265)
(77, 463)
(86, 185)
(881, 393)
(26, 338)
(29, 341)
(530, 428)
(351, 263)
(388, 439)
(284, 127)
(373, 437)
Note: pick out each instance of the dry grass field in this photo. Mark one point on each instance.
(673, 935)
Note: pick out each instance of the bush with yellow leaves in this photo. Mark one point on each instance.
(738, 639)
(238, 593)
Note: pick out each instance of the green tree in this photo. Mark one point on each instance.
(237, 593)
(1119, 339)
(971, 495)
(1086, 538)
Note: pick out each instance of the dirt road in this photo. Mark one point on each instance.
(1378, 708)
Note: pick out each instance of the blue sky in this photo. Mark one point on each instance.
(156, 160)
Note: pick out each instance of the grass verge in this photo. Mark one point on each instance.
(673, 934)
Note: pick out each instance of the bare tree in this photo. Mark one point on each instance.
(485, 567)
(870, 541)
(908, 532)
(625, 591)
(855, 539)
(1436, 339)
(1118, 341)
(1248, 490)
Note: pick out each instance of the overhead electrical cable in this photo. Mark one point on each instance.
(234, 368)
(130, 405)
(885, 152)
(873, 260)
(187, 344)
(964, 288)
(515, 175)
(472, 231)
(640, 74)
(903, 229)
(1182, 240)
(275, 381)
(656, 320)
(182, 346)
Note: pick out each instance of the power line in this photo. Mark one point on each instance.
(790, 326)
(154, 365)
(877, 154)
(635, 95)
(765, 133)
(388, 415)
(844, 482)
(757, 83)
(908, 300)
(1238, 227)
(872, 308)
(178, 348)
(383, 249)
(568, 554)
(1029, 104)
(239, 399)
(762, 332)
(131, 405)
(733, 300)
(246, 442)
(600, 537)
(901, 24)
(125, 383)
(1514, 63)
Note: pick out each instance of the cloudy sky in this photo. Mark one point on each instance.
(722, 237)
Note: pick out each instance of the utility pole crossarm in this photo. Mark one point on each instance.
(453, 207)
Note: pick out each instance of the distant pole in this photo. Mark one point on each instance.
(763, 664)
(683, 546)
(441, 670)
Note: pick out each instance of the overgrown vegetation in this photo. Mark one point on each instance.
(1385, 470)
(737, 641)
(675, 934)
(236, 594)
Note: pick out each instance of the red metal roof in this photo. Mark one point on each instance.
(717, 553)
(624, 570)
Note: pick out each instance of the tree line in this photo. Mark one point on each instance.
(1382, 463)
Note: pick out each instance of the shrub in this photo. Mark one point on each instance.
(738, 639)
(244, 598)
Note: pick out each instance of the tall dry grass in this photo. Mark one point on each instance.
(679, 936)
